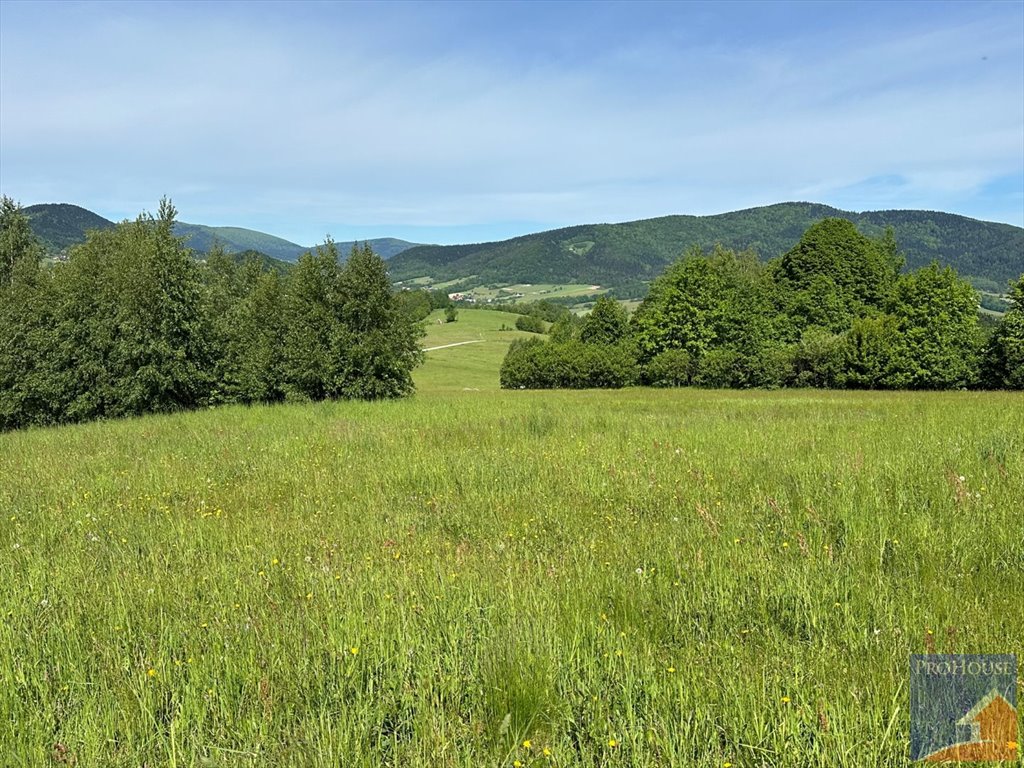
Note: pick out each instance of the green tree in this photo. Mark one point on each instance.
(817, 358)
(671, 368)
(536, 364)
(833, 275)
(869, 350)
(415, 305)
(683, 310)
(607, 323)
(530, 324)
(936, 317)
(27, 376)
(1003, 366)
(378, 346)
(131, 336)
(256, 343)
(313, 336)
(451, 314)
(17, 243)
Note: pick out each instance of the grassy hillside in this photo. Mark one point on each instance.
(614, 254)
(471, 366)
(477, 577)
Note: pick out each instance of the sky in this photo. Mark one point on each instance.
(468, 122)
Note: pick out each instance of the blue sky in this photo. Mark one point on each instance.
(465, 122)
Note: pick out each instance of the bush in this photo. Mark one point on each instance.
(818, 358)
(530, 323)
(451, 315)
(535, 364)
(718, 368)
(523, 366)
(671, 368)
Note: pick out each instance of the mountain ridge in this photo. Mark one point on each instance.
(617, 254)
(61, 225)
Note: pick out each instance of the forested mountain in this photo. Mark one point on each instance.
(201, 238)
(61, 225)
(615, 254)
(988, 253)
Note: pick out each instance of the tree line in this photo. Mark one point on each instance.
(132, 323)
(834, 311)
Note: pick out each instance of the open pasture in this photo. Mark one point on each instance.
(487, 578)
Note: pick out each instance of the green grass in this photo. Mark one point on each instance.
(468, 367)
(634, 578)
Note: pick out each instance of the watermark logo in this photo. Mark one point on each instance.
(963, 708)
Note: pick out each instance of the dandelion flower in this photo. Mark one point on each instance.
(151, 672)
(354, 650)
(613, 743)
(547, 752)
(527, 744)
(785, 699)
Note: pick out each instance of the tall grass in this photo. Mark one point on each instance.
(635, 578)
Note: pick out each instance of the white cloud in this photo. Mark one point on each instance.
(246, 120)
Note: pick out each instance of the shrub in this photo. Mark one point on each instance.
(530, 323)
(718, 368)
(535, 364)
(671, 368)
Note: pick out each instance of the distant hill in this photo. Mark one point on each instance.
(61, 225)
(201, 239)
(237, 240)
(269, 263)
(617, 254)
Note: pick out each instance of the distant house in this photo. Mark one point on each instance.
(993, 724)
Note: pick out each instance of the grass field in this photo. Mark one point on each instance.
(486, 578)
(468, 367)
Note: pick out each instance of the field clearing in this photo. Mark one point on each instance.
(632, 578)
(533, 291)
(473, 366)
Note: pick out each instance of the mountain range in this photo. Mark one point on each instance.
(616, 255)
(61, 225)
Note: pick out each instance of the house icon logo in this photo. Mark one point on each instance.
(963, 708)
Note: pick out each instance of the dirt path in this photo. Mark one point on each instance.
(456, 344)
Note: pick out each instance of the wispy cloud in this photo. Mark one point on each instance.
(362, 120)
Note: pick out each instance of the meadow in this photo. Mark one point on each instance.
(473, 577)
